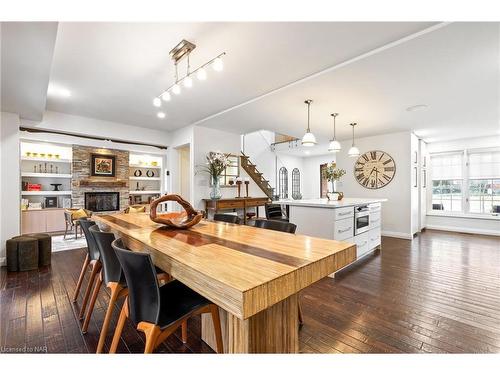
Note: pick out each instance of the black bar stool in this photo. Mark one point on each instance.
(157, 311)
(91, 261)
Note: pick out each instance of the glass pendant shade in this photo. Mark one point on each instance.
(308, 139)
(353, 152)
(334, 146)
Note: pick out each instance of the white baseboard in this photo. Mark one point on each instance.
(487, 232)
(3, 261)
(404, 236)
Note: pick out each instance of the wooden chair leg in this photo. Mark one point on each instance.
(301, 319)
(95, 269)
(152, 332)
(119, 326)
(65, 230)
(80, 279)
(184, 328)
(116, 292)
(214, 311)
(95, 293)
(76, 231)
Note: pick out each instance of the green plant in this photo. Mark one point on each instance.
(215, 165)
(332, 173)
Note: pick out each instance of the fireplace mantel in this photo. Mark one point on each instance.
(116, 183)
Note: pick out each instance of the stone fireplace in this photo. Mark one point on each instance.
(107, 194)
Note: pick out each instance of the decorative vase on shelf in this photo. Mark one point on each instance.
(215, 193)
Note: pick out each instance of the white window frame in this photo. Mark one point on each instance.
(465, 187)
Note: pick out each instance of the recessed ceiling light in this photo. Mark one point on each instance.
(418, 107)
(161, 114)
(55, 90)
(307, 152)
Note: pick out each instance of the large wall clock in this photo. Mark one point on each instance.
(374, 169)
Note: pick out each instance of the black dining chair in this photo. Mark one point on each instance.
(227, 218)
(92, 261)
(112, 277)
(274, 212)
(157, 311)
(281, 226)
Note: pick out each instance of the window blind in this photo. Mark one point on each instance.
(447, 166)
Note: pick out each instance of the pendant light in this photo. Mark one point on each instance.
(308, 140)
(353, 151)
(334, 145)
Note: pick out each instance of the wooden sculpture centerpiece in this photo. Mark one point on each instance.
(179, 220)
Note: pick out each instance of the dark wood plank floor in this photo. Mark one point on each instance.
(439, 294)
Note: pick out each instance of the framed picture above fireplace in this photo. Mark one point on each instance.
(103, 165)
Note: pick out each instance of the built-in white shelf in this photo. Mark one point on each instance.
(51, 175)
(48, 160)
(144, 166)
(144, 192)
(145, 178)
(46, 192)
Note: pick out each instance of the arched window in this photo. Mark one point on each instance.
(283, 183)
(296, 184)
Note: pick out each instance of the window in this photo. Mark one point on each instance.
(283, 183)
(296, 183)
(484, 182)
(447, 182)
(466, 182)
(231, 172)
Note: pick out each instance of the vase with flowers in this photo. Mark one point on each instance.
(215, 165)
(333, 174)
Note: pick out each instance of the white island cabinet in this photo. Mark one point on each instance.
(355, 220)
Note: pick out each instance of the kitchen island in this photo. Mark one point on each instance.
(354, 220)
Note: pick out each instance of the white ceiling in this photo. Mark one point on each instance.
(114, 70)
(454, 70)
(26, 56)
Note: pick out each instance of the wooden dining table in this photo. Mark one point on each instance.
(254, 275)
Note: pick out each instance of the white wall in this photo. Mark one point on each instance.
(396, 212)
(311, 176)
(9, 180)
(459, 222)
(79, 125)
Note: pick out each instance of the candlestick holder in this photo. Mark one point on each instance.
(246, 187)
(238, 184)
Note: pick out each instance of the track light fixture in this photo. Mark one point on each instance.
(183, 50)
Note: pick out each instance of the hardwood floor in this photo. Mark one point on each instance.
(439, 294)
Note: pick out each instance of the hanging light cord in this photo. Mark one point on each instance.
(308, 116)
(334, 126)
(353, 125)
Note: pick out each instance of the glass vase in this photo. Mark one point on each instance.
(215, 193)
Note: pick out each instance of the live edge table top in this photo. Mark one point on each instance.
(242, 269)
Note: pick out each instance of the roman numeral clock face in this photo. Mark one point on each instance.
(374, 169)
